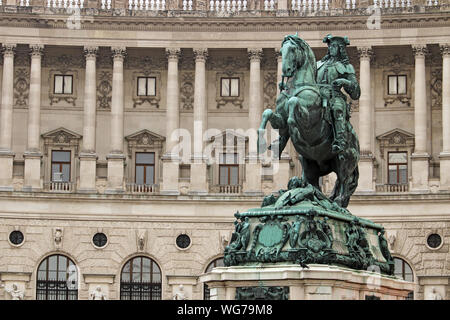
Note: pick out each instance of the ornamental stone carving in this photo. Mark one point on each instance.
(255, 54)
(365, 53)
(63, 63)
(119, 53)
(104, 90)
(187, 91)
(97, 294)
(173, 54)
(420, 50)
(228, 63)
(270, 89)
(14, 292)
(141, 240)
(436, 88)
(445, 50)
(90, 52)
(58, 237)
(21, 87)
(200, 54)
(36, 50)
(8, 49)
(146, 64)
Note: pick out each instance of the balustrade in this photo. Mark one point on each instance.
(142, 188)
(54, 186)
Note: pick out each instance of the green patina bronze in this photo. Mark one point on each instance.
(262, 293)
(301, 224)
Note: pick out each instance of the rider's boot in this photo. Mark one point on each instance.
(339, 142)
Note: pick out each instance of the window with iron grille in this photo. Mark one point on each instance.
(140, 280)
(404, 271)
(57, 279)
(216, 263)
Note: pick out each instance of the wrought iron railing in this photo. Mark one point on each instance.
(55, 290)
(140, 291)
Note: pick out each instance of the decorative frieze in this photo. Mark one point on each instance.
(104, 89)
(270, 90)
(21, 87)
(63, 63)
(146, 63)
(187, 91)
(228, 63)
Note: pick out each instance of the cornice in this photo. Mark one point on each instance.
(229, 24)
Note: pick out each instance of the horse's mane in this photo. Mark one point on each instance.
(299, 42)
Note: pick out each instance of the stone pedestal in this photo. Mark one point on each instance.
(171, 168)
(88, 166)
(32, 171)
(444, 167)
(365, 182)
(6, 173)
(199, 185)
(115, 173)
(318, 282)
(20, 280)
(419, 166)
(282, 174)
(96, 280)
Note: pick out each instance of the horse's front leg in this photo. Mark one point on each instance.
(262, 144)
(291, 104)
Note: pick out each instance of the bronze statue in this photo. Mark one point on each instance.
(315, 115)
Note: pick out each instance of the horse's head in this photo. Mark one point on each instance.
(295, 52)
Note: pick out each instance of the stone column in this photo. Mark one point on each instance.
(171, 159)
(366, 178)
(198, 164)
(445, 154)
(420, 157)
(252, 184)
(88, 157)
(282, 170)
(116, 157)
(6, 118)
(33, 155)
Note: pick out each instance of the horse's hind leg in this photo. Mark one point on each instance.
(311, 171)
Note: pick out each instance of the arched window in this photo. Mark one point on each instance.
(57, 279)
(140, 280)
(404, 271)
(216, 263)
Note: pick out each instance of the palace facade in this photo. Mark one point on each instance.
(127, 136)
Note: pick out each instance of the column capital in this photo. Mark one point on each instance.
(445, 49)
(200, 54)
(420, 50)
(119, 52)
(8, 49)
(278, 54)
(36, 50)
(90, 52)
(255, 54)
(365, 53)
(173, 54)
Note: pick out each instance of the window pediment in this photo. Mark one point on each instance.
(396, 138)
(61, 137)
(144, 139)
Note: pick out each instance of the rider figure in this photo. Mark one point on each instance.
(334, 72)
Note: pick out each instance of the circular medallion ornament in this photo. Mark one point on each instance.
(183, 241)
(16, 237)
(100, 240)
(434, 241)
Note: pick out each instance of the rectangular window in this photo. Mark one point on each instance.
(145, 168)
(397, 168)
(397, 84)
(61, 166)
(228, 169)
(146, 86)
(63, 84)
(229, 87)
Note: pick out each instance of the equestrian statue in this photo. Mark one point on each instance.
(313, 112)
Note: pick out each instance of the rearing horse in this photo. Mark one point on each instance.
(300, 116)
